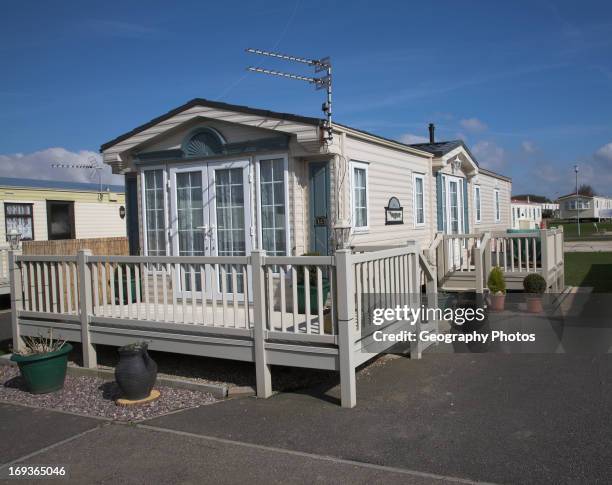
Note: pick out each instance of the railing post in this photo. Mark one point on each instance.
(562, 256)
(262, 368)
(544, 255)
(16, 299)
(346, 327)
(416, 348)
(478, 268)
(85, 308)
(487, 257)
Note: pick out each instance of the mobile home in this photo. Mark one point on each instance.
(572, 206)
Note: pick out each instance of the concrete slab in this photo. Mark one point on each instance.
(122, 454)
(491, 417)
(25, 430)
(587, 246)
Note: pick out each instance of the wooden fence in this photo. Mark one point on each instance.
(116, 246)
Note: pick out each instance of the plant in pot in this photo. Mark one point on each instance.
(535, 286)
(43, 363)
(136, 372)
(497, 286)
(312, 281)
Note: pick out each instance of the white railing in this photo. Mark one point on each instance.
(4, 270)
(302, 311)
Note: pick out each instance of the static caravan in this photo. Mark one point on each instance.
(526, 214)
(41, 210)
(218, 179)
(572, 206)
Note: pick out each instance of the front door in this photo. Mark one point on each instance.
(318, 181)
(211, 217)
(454, 216)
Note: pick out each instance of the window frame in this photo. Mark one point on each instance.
(478, 205)
(497, 205)
(285, 158)
(354, 164)
(420, 176)
(31, 217)
(143, 202)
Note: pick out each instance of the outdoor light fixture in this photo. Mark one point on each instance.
(456, 164)
(14, 237)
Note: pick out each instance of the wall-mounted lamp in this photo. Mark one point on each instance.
(14, 238)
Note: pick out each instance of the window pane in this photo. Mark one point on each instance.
(273, 206)
(154, 212)
(360, 198)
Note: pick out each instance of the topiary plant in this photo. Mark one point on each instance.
(496, 282)
(534, 283)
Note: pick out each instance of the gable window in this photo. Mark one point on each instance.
(155, 222)
(20, 218)
(477, 209)
(497, 208)
(419, 200)
(360, 196)
(273, 206)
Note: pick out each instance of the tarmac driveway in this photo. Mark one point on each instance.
(587, 246)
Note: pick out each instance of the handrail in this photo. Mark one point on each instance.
(426, 267)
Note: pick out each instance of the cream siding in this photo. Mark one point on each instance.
(92, 219)
(488, 184)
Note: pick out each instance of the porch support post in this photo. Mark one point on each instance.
(262, 368)
(487, 259)
(544, 249)
(85, 308)
(416, 347)
(346, 327)
(16, 299)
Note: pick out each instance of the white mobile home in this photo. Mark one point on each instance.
(526, 214)
(572, 206)
(221, 179)
(225, 200)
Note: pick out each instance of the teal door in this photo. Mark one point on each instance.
(318, 181)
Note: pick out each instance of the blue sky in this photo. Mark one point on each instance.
(528, 85)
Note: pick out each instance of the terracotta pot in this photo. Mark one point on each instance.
(534, 304)
(498, 302)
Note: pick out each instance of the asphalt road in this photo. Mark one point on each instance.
(448, 418)
(587, 246)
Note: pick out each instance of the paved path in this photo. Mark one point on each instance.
(445, 419)
(588, 246)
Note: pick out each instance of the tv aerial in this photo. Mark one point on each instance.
(323, 82)
(92, 164)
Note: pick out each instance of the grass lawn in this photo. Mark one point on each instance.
(589, 269)
(587, 230)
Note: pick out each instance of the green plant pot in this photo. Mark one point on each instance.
(44, 373)
(314, 302)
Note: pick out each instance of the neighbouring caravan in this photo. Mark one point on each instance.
(41, 210)
(572, 206)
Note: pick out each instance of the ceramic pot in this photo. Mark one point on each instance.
(136, 372)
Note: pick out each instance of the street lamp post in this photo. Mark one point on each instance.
(577, 201)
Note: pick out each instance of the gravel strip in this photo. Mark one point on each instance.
(93, 396)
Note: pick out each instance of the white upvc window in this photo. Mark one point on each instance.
(477, 208)
(273, 200)
(497, 208)
(154, 214)
(359, 196)
(419, 199)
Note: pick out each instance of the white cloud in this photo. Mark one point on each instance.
(37, 165)
(489, 154)
(473, 124)
(409, 138)
(528, 146)
(604, 153)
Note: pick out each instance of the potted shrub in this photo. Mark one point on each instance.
(497, 286)
(136, 371)
(43, 363)
(312, 280)
(535, 286)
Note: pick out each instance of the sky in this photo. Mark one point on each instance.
(527, 85)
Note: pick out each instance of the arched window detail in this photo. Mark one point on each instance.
(204, 142)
